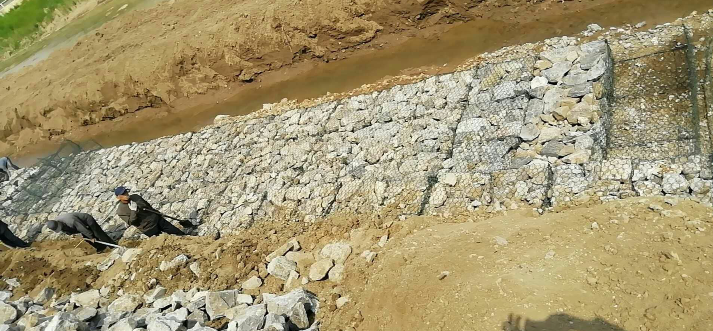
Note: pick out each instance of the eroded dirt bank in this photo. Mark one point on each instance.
(165, 56)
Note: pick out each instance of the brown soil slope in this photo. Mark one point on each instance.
(637, 264)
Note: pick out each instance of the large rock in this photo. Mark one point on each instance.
(218, 303)
(529, 132)
(578, 157)
(253, 283)
(176, 262)
(65, 322)
(197, 317)
(552, 149)
(124, 324)
(251, 319)
(45, 295)
(538, 82)
(291, 245)
(336, 274)
(280, 267)
(126, 303)
(320, 269)
(275, 322)
(8, 313)
(86, 299)
(85, 313)
(548, 133)
(556, 73)
(285, 304)
(130, 255)
(339, 252)
(674, 183)
(155, 294)
(163, 324)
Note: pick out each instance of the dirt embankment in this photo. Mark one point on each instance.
(159, 56)
(636, 264)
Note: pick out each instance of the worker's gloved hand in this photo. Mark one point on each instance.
(133, 206)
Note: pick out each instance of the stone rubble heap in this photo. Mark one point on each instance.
(158, 311)
(516, 130)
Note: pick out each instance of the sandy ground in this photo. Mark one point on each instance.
(636, 264)
(163, 56)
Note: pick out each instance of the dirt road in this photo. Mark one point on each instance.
(636, 264)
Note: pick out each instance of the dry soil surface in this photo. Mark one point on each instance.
(161, 56)
(636, 264)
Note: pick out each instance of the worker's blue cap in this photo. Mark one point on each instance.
(120, 190)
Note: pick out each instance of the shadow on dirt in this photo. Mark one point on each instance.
(558, 322)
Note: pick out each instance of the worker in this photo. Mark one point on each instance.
(9, 239)
(134, 210)
(83, 224)
(5, 166)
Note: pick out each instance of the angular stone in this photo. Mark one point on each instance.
(162, 323)
(558, 54)
(275, 322)
(8, 313)
(450, 179)
(535, 107)
(195, 268)
(552, 149)
(319, 269)
(45, 295)
(529, 132)
(584, 142)
(543, 64)
(561, 113)
(130, 255)
(86, 299)
(162, 303)
(280, 267)
(196, 318)
(252, 283)
(176, 262)
(299, 316)
(339, 252)
(700, 186)
(598, 70)
(538, 82)
(291, 245)
(336, 274)
(556, 73)
(674, 183)
(575, 79)
(284, 304)
(566, 150)
(155, 294)
(85, 313)
(580, 90)
(548, 133)
(65, 322)
(126, 303)
(125, 324)
(218, 303)
(252, 319)
(504, 90)
(578, 157)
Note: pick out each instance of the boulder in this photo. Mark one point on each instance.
(339, 252)
(8, 313)
(291, 245)
(163, 324)
(253, 283)
(284, 304)
(218, 303)
(252, 319)
(281, 267)
(45, 295)
(126, 303)
(157, 293)
(548, 133)
(319, 269)
(552, 149)
(130, 255)
(65, 322)
(85, 313)
(529, 132)
(176, 262)
(275, 322)
(86, 299)
(578, 157)
(556, 73)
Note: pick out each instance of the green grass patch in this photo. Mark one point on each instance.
(25, 21)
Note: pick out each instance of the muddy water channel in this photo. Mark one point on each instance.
(450, 48)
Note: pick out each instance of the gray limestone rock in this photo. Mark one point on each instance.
(319, 269)
(339, 252)
(86, 299)
(126, 303)
(556, 73)
(281, 267)
(8, 313)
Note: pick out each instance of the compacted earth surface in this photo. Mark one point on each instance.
(634, 264)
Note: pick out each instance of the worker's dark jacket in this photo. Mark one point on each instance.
(142, 218)
(77, 223)
(8, 238)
